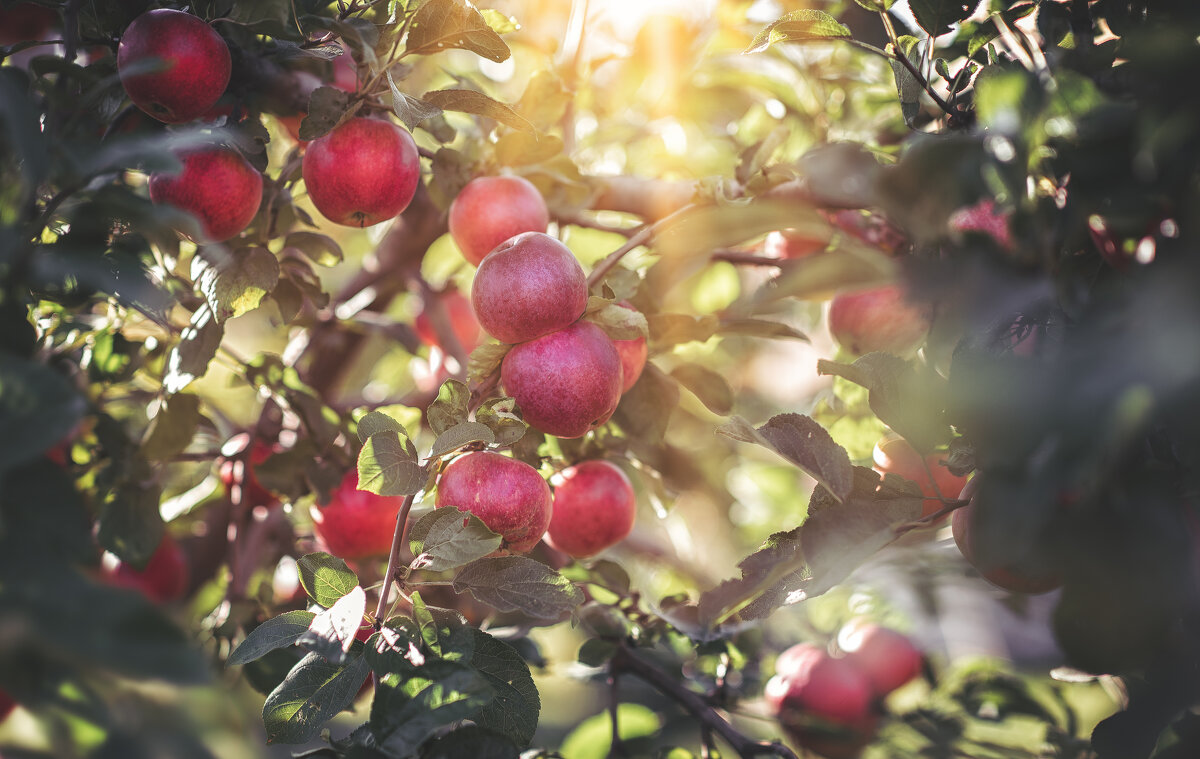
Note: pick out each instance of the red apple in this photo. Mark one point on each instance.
(886, 657)
(1009, 578)
(790, 244)
(824, 703)
(490, 210)
(567, 382)
(894, 455)
(25, 22)
(195, 70)
(507, 495)
(880, 319)
(356, 524)
(217, 186)
(984, 219)
(531, 285)
(364, 172)
(253, 493)
(463, 323)
(163, 579)
(633, 356)
(594, 508)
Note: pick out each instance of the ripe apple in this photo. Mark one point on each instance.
(894, 455)
(594, 508)
(822, 701)
(463, 323)
(567, 382)
(25, 22)
(253, 493)
(888, 658)
(984, 218)
(218, 186)
(509, 496)
(364, 172)
(163, 579)
(791, 244)
(490, 210)
(356, 524)
(531, 285)
(880, 319)
(633, 356)
(196, 65)
(1007, 577)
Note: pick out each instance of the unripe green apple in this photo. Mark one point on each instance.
(356, 524)
(195, 71)
(530, 285)
(894, 455)
(163, 579)
(463, 323)
(490, 210)
(218, 186)
(364, 172)
(509, 496)
(888, 658)
(880, 319)
(633, 356)
(567, 382)
(594, 508)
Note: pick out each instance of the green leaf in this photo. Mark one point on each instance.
(798, 26)
(672, 329)
(130, 524)
(500, 23)
(709, 386)
(311, 695)
(518, 583)
(189, 358)
(760, 328)
(328, 108)
(472, 741)
(374, 422)
(767, 576)
(514, 710)
(277, 632)
(442, 24)
(486, 359)
(851, 264)
(908, 89)
(936, 16)
(876, 5)
(320, 249)
(410, 706)
(172, 428)
(332, 632)
(325, 578)
(618, 322)
(463, 433)
(447, 538)
(645, 409)
(450, 408)
(235, 283)
(592, 739)
(470, 101)
(408, 109)
(38, 408)
(499, 414)
(444, 632)
(804, 443)
(386, 467)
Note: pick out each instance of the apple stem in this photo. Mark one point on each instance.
(625, 660)
(393, 559)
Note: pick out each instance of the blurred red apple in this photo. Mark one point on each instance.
(195, 65)
(217, 186)
(594, 508)
(880, 319)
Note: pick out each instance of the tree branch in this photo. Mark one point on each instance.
(393, 559)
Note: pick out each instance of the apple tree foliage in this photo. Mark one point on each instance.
(1063, 367)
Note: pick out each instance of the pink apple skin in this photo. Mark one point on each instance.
(880, 319)
(7, 705)
(530, 286)
(217, 186)
(163, 579)
(197, 61)
(788, 244)
(594, 508)
(364, 172)
(356, 524)
(888, 658)
(489, 210)
(507, 495)
(567, 382)
(633, 356)
(823, 686)
(462, 321)
(985, 219)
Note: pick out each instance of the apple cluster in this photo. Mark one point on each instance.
(829, 704)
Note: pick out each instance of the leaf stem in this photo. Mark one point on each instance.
(393, 558)
(641, 236)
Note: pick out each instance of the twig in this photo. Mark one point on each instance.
(625, 660)
(947, 508)
(748, 259)
(616, 748)
(393, 559)
(642, 235)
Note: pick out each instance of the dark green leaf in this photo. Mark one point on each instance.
(197, 346)
(410, 706)
(444, 632)
(332, 632)
(129, 524)
(172, 428)
(798, 26)
(645, 409)
(514, 710)
(374, 422)
(463, 433)
(38, 408)
(595, 652)
(767, 575)
(936, 16)
(408, 109)
(328, 108)
(447, 538)
(709, 386)
(237, 282)
(326, 578)
(500, 417)
(517, 583)
(277, 632)
(472, 741)
(450, 408)
(618, 322)
(386, 467)
(804, 443)
(311, 695)
(470, 101)
(443, 24)
(320, 249)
